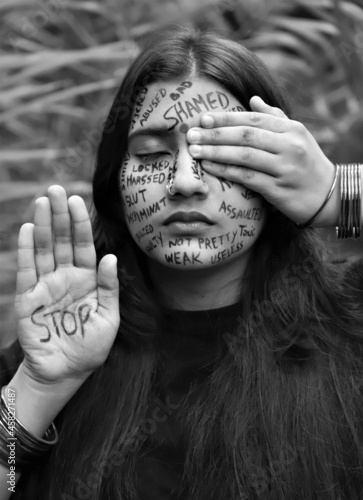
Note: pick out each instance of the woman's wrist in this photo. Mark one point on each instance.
(36, 404)
(329, 216)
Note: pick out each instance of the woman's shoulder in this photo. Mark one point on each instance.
(10, 359)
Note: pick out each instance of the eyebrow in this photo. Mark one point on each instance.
(160, 131)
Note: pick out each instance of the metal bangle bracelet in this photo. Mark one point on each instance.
(306, 224)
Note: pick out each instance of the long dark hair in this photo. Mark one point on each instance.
(282, 408)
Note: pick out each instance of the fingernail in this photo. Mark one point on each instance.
(207, 163)
(195, 150)
(207, 121)
(194, 135)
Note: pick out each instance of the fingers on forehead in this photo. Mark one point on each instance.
(250, 118)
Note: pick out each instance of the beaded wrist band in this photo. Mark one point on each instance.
(27, 449)
(306, 224)
(350, 202)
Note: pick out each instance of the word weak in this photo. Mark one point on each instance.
(66, 321)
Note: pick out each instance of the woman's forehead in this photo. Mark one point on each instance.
(180, 102)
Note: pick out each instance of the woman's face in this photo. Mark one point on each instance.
(205, 221)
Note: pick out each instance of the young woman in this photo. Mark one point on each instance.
(206, 349)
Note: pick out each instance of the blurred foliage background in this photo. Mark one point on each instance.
(62, 60)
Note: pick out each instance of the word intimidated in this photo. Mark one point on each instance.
(234, 213)
(145, 213)
(67, 321)
(182, 111)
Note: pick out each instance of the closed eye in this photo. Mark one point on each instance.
(151, 156)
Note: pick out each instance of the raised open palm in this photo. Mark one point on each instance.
(67, 310)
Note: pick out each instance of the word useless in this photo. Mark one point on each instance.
(64, 321)
(226, 253)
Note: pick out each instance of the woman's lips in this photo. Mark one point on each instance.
(190, 226)
(189, 219)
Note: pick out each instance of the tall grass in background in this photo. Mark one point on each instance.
(61, 62)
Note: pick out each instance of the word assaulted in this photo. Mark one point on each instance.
(234, 213)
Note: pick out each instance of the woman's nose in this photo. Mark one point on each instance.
(187, 176)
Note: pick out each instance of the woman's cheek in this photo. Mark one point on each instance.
(144, 198)
(242, 213)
